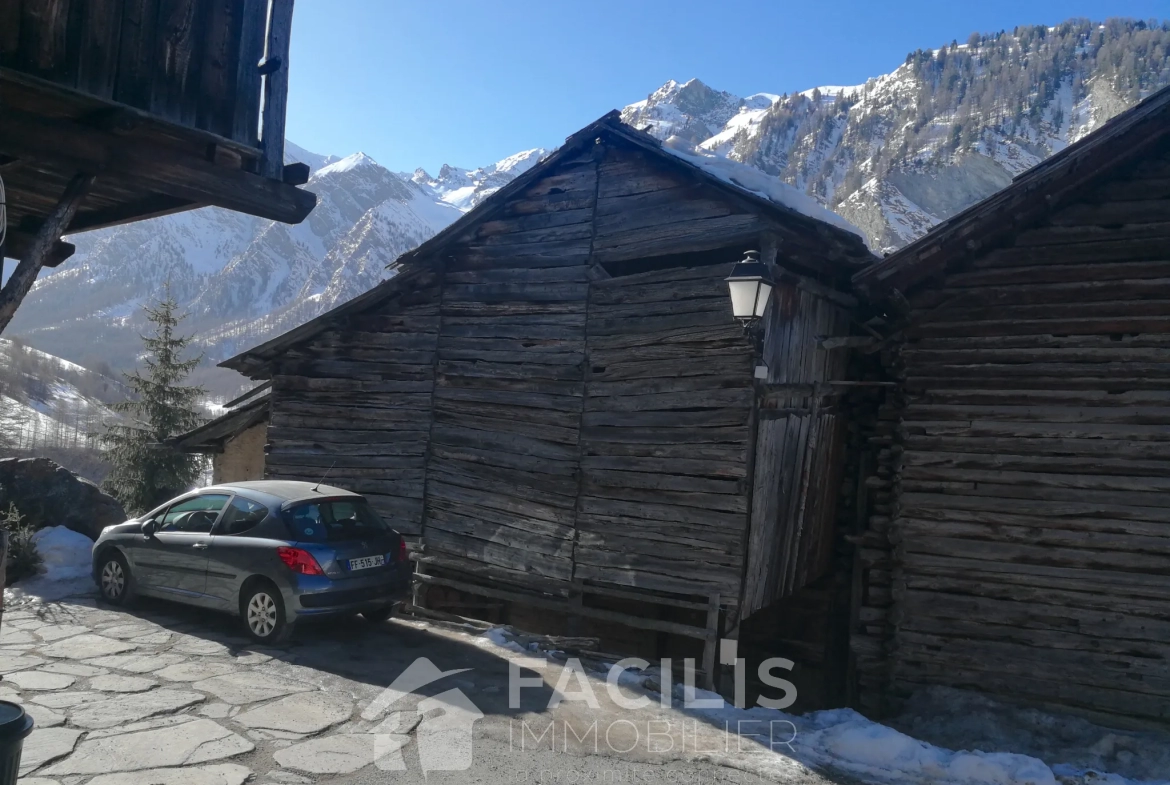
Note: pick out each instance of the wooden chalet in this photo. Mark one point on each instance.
(1017, 535)
(553, 396)
(118, 110)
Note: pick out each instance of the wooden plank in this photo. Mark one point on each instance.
(276, 51)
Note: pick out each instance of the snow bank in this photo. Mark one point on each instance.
(753, 180)
(65, 568)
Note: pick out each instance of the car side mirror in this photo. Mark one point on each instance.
(149, 528)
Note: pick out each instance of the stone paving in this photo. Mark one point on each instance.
(161, 694)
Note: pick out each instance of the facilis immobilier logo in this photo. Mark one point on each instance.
(443, 724)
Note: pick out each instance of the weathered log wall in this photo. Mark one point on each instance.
(559, 397)
(355, 403)
(503, 472)
(666, 432)
(1032, 549)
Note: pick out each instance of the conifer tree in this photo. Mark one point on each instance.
(145, 471)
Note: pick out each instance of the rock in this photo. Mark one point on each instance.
(81, 647)
(329, 754)
(36, 680)
(10, 663)
(73, 669)
(46, 744)
(44, 717)
(122, 709)
(217, 711)
(216, 774)
(56, 632)
(47, 494)
(195, 670)
(118, 683)
(185, 744)
(309, 712)
(63, 700)
(249, 687)
(138, 663)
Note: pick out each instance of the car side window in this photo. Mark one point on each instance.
(241, 515)
(193, 516)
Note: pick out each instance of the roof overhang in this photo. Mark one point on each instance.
(833, 246)
(145, 167)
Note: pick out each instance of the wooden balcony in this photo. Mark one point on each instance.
(168, 104)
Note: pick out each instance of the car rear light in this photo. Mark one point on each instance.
(299, 560)
(401, 549)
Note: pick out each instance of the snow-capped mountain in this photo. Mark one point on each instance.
(465, 189)
(949, 127)
(894, 156)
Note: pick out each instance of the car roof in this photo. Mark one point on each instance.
(281, 491)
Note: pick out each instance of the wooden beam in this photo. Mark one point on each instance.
(153, 167)
(562, 606)
(154, 206)
(17, 244)
(34, 258)
(275, 70)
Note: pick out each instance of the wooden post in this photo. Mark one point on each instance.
(276, 44)
(38, 251)
(711, 645)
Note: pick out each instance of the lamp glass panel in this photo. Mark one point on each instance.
(762, 298)
(743, 297)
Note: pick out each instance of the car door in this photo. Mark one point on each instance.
(177, 551)
(234, 553)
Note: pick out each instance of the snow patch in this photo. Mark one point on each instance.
(65, 569)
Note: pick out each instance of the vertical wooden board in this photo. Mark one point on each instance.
(136, 53)
(795, 453)
(770, 440)
(178, 52)
(276, 89)
(215, 109)
(245, 124)
(11, 13)
(101, 38)
(43, 39)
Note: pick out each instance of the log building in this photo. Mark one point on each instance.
(553, 396)
(947, 467)
(113, 111)
(1022, 545)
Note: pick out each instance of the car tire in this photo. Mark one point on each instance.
(378, 614)
(115, 582)
(262, 609)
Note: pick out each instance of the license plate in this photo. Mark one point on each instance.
(365, 562)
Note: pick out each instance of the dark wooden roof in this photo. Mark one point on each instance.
(211, 436)
(1031, 196)
(843, 250)
(160, 99)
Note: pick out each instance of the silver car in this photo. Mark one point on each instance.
(270, 551)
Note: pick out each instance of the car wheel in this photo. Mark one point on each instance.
(114, 579)
(378, 614)
(263, 612)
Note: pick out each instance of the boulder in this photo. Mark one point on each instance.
(47, 494)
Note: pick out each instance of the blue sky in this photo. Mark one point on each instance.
(467, 82)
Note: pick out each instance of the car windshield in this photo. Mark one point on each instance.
(334, 521)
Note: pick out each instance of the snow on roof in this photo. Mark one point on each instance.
(759, 183)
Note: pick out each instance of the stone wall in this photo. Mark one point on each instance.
(242, 457)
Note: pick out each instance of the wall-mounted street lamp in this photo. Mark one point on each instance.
(750, 285)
